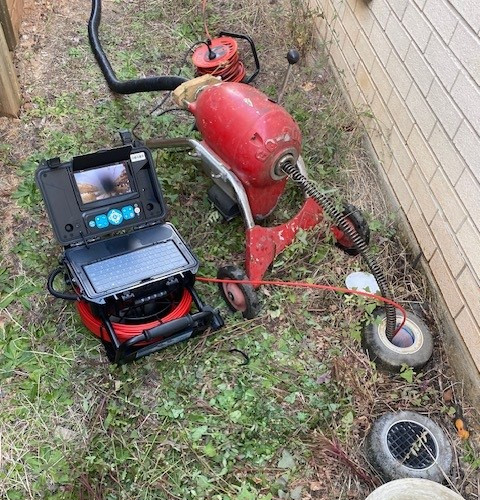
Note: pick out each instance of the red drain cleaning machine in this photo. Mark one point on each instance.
(248, 142)
(131, 272)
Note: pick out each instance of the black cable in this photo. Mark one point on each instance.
(162, 102)
(246, 357)
(56, 293)
(164, 112)
(148, 84)
(360, 245)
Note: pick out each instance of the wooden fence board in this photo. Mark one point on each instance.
(9, 89)
(10, 18)
(15, 7)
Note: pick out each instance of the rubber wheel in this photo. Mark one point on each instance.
(238, 296)
(405, 444)
(391, 356)
(358, 221)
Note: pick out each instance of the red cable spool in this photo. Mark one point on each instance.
(226, 63)
(126, 331)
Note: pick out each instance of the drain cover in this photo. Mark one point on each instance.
(412, 444)
(405, 444)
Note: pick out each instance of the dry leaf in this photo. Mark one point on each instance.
(308, 86)
(315, 486)
(448, 395)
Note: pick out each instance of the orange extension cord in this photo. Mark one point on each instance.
(300, 284)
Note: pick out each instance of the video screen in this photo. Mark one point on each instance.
(102, 183)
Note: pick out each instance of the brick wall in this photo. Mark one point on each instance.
(416, 65)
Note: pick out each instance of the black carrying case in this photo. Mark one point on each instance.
(108, 212)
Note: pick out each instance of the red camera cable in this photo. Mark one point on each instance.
(300, 284)
(124, 331)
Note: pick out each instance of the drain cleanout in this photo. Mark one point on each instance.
(406, 444)
(412, 345)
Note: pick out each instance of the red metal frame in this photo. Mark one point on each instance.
(263, 244)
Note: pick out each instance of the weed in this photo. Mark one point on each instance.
(407, 373)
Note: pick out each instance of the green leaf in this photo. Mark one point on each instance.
(287, 461)
(15, 495)
(348, 418)
(407, 373)
(198, 432)
(291, 398)
(209, 450)
(246, 493)
(370, 307)
(235, 416)
(177, 412)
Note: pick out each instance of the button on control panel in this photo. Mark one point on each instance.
(114, 217)
(101, 221)
(128, 212)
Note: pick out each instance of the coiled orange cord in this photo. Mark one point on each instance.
(125, 331)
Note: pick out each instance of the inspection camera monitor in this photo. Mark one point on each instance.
(107, 210)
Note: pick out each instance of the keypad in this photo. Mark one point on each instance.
(128, 269)
(114, 217)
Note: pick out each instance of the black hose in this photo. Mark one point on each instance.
(360, 245)
(148, 84)
(56, 293)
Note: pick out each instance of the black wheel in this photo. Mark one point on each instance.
(406, 444)
(412, 345)
(238, 296)
(359, 223)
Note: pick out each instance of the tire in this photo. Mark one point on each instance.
(240, 297)
(358, 221)
(390, 450)
(392, 357)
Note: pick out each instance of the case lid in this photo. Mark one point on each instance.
(127, 261)
(101, 193)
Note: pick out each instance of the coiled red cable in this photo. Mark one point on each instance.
(226, 63)
(126, 331)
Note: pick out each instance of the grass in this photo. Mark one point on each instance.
(191, 422)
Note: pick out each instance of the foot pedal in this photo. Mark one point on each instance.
(223, 203)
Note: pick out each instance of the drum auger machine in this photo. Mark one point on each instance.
(250, 148)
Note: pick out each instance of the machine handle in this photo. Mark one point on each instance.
(174, 326)
(171, 332)
(293, 56)
(252, 77)
(169, 328)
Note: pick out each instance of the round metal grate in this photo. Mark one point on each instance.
(412, 444)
